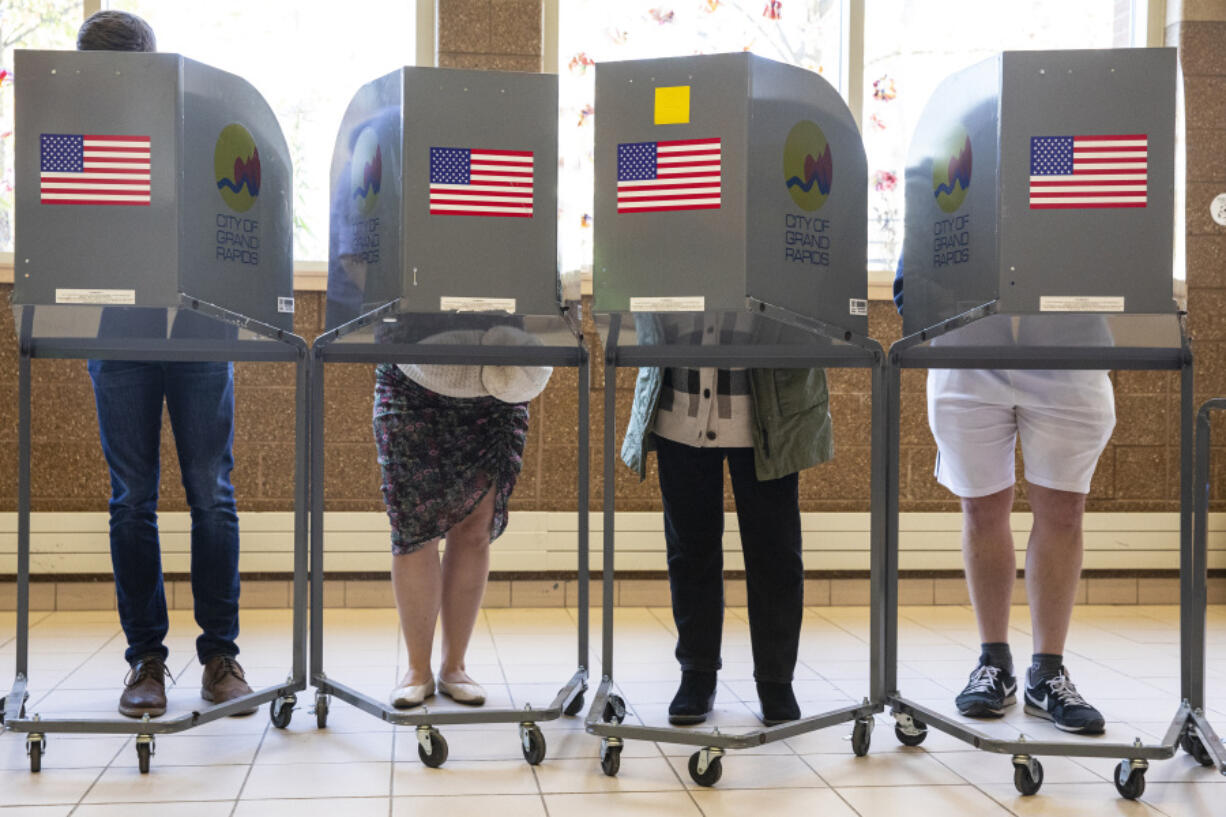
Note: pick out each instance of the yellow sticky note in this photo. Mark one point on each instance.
(673, 105)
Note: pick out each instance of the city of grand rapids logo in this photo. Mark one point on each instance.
(951, 171)
(236, 166)
(366, 172)
(808, 168)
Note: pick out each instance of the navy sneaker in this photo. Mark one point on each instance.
(988, 691)
(1056, 699)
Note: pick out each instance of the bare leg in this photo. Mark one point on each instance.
(416, 582)
(1053, 564)
(466, 567)
(991, 568)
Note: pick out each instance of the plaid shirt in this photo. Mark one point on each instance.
(707, 407)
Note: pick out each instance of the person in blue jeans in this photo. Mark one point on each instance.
(200, 400)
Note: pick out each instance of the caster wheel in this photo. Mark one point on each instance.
(321, 711)
(614, 710)
(281, 711)
(532, 741)
(1026, 782)
(575, 705)
(144, 752)
(34, 748)
(708, 778)
(861, 738)
(912, 737)
(610, 758)
(437, 755)
(1134, 786)
(1193, 745)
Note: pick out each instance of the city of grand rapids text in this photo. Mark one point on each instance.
(807, 240)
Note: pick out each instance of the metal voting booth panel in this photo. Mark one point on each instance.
(1040, 222)
(444, 202)
(153, 195)
(731, 193)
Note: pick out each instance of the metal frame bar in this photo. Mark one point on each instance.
(327, 350)
(865, 353)
(281, 346)
(907, 353)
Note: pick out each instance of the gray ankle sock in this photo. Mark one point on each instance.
(1044, 665)
(997, 654)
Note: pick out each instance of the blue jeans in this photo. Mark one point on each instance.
(200, 399)
(768, 514)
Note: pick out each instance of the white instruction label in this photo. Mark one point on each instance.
(1081, 303)
(858, 306)
(285, 305)
(110, 297)
(456, 304)
(696, 303)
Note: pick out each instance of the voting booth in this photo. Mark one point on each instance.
(1041, 183)
(714, 198)
(444, 221)
(444, 195)
(1039, 235)
(730, 232)
(152, 181)
(154, 223)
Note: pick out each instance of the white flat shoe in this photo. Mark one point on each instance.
(407, 697)
(462, 693)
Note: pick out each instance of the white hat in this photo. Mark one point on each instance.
(513, 384)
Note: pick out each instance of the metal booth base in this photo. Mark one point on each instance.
(345, 345)
(608, 711)
(1189, 728)
(262, 343)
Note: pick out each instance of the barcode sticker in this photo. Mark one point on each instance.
(858, 306)
(285, 305)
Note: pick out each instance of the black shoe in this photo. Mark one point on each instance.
(778, 703)
(694, 699)
(1057, 700)
(988, 691)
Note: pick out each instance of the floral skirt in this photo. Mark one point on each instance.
(440, 456)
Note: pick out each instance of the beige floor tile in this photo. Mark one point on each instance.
(621, 804)
(203, 750)
(311, 780)
(168, 809)
(123, 783)
(486, 742)
(83, 753)
(324, 746)
(913, 801)
(528, 805)
(463, 777)
(318, 807)
(912, 770)
(38, 811)
(719, 802)
(51, 787)
(637, 774)
(1069, 800)
(987, 770)
(1184, 799)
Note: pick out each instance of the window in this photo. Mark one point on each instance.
(910, 46)
(306, 63)
(807, 33)
(895, 52)
(25, 24)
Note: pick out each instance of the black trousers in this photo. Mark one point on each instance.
(692, 484)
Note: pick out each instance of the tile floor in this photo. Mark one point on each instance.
(1126, 662)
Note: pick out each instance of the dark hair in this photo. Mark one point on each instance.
(115, 31)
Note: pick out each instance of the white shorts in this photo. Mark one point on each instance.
(1063, 418)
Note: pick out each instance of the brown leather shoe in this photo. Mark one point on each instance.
(144, 690)
(223, 680)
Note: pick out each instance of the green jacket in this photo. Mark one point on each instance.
(791, 422)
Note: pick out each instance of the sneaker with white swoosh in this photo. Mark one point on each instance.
(1056, 699)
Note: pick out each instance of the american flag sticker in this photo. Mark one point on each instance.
(1070, 172)
(89, 169)
(471, 182)
(684, 174)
